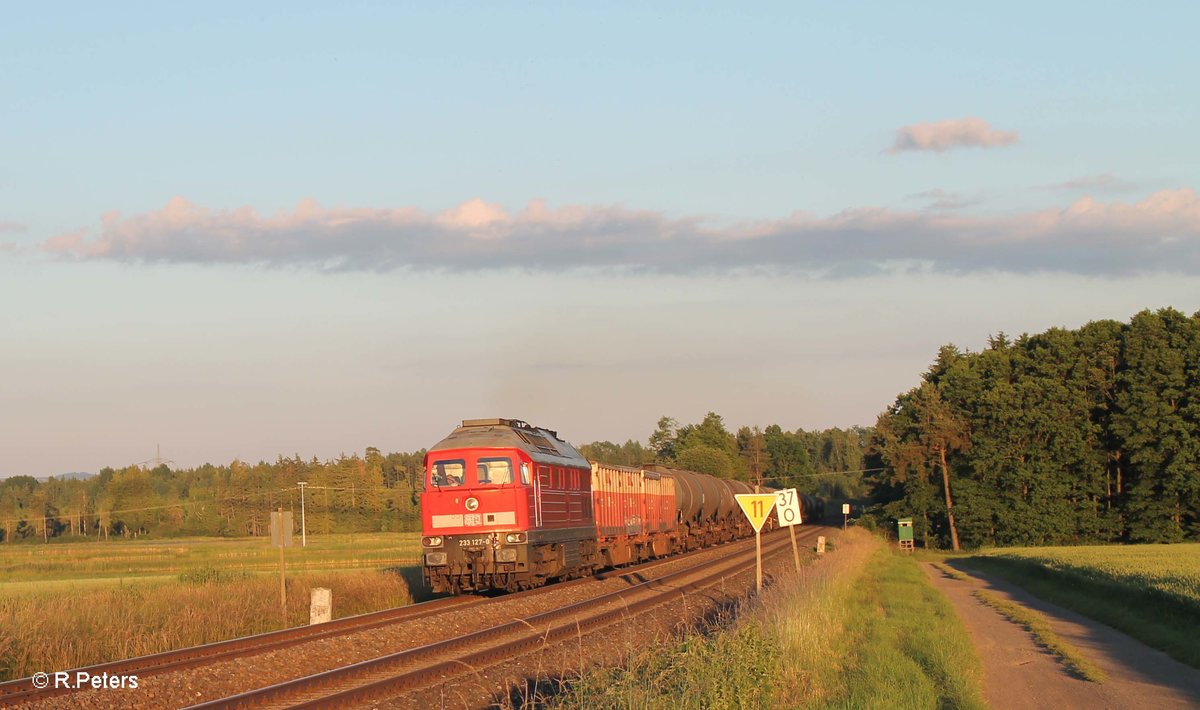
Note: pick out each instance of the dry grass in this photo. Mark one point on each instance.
(809, 615)
(62, 630)
(36, 563)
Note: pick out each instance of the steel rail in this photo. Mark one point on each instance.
(23, 690)
(644, 595)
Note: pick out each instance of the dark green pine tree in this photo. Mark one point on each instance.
(1154, 422)
(918, 437)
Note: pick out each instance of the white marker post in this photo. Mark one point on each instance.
(757, 506)
(787, 507)
(303, 522)
(845, 515)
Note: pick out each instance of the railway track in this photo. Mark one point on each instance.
(23, 690)
(414, 668)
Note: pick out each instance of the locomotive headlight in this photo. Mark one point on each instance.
(432, 541)
(515, 538)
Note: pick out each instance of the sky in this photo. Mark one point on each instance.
(232, 231)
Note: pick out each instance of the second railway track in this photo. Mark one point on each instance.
(389, 675)
(23, 690)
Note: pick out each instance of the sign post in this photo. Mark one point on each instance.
(787, 509)
(845, 514)
(281, 537)
(757, 506)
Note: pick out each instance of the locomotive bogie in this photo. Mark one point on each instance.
(477, 563)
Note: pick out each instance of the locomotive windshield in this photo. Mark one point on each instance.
(449, 474)
(494, 471)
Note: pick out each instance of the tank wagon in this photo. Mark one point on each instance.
(509, 506)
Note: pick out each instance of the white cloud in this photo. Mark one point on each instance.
(1158, 234)
(969, 132)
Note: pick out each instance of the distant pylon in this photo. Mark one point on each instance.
(157, 461)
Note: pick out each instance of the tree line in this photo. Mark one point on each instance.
(374, 492)
(828, 464)
(1069, 436)
(379, 492)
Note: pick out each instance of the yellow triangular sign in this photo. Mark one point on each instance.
(756, 506)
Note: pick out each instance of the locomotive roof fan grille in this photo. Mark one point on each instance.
(522, 429)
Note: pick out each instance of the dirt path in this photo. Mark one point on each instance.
(1018, 674)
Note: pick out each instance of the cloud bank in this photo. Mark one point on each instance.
(1158, 234)
(969, 132)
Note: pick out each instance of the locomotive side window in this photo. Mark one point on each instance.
(525, 474)
(449, 474)
(494, 471)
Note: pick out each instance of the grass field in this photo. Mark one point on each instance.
(1170, 570)
(121, 561)
(1151, 592)
(860, 628)
(72, 604)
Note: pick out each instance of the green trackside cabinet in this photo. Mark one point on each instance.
(904, 533)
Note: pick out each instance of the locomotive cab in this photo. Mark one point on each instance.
(474, 512)
(505, 506)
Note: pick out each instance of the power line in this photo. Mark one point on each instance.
(823, 473)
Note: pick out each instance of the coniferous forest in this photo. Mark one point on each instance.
(1067, 436)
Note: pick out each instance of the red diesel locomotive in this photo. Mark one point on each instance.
(509, 506)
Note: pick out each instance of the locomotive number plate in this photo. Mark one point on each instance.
(474, 541)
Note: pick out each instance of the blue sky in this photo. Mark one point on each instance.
(304, 229)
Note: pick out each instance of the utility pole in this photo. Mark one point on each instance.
(284, 539)
(303, 527)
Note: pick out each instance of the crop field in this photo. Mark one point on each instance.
(1172, 570)
(66, 605)
(26, 567)
(1151, 592)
